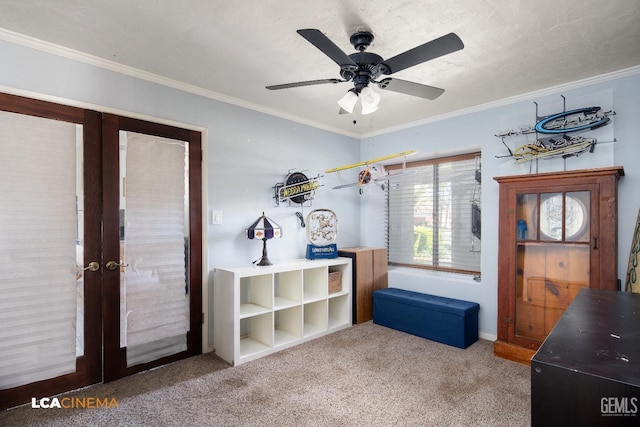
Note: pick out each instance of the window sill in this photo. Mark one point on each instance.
(437, 277)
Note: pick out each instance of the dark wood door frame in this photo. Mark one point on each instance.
(102, 302)
(115, 363)
(89, 365)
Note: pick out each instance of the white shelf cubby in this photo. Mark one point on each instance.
(260, 310)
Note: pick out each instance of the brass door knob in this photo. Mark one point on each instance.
(93, 266)
(112, 265)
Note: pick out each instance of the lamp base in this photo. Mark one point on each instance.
(265, 259)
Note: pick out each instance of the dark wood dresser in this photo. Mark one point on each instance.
(587, 371)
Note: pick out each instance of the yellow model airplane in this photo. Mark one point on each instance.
(373, 171)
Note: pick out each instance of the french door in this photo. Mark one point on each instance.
(151, 244)
(100, 247)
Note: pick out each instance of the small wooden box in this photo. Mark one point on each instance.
(335, 281)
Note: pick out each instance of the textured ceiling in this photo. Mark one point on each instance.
(233, 49)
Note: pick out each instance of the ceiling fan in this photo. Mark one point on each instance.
(363, 68)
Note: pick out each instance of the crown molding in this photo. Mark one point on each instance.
(93, 60)
(626, 72)
(54, 49)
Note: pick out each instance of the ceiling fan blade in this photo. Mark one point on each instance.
(410, 88)
(326, 46)
(306, 83)
(430, 50)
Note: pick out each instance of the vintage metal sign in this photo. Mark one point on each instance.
(296, 188)
(322, 231)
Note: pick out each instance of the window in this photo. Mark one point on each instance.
(434, 214)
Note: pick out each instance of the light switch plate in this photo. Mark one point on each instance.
(216, 217)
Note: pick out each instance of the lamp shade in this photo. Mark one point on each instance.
(264, 228)
(370, 100)
(348, 102)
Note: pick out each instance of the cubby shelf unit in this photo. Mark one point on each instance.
(261, 310)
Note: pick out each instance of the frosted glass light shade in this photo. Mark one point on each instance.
(370, 100)
(368, 109)
(348, 102)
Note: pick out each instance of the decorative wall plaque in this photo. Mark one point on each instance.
(322, 231)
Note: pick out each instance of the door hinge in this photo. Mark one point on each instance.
(202, 318)
(507, 320)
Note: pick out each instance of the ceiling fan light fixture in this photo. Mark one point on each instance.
(368, 109)
(364, 67)
(370, 100)
(348, 102)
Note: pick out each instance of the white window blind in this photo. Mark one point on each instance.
(434, 215)
(37, 249)
(154, 315)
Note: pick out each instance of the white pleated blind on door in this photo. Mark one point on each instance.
(153, 301)
(430, 216)
(37, 249)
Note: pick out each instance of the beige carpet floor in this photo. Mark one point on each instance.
(366, 375)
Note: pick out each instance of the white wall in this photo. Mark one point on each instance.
(248, 152)
(476, 130)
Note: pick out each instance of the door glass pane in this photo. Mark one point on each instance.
(551, 216)
(530, 275)
(526, 216)
(80, 242)
(544, 289)
(154, 288)
(39, 271)
(577, 207)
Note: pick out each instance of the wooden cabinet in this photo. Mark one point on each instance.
(261, 310)
(557, 235)
(369, 274)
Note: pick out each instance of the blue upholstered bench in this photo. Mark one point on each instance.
(449, 321)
